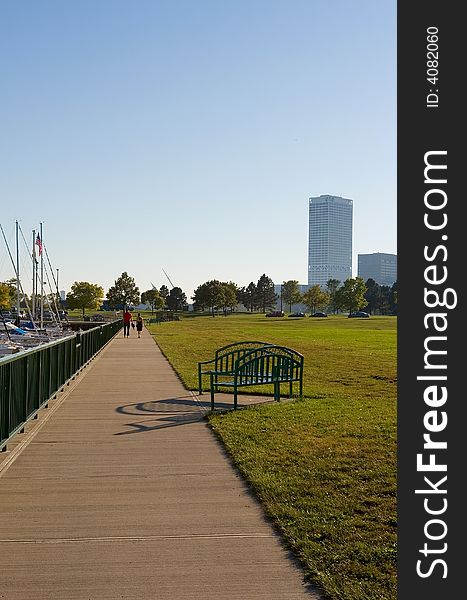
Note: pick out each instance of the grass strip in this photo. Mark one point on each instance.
(323, 467)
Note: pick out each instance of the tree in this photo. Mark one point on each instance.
(394, 297)
(373, 295)
(381, 298)
(123, 293)
(153, 298)
(267, 297)
(164, 292)
(85, 295)
(352, 294)
(332, 287)
(209, 295)
(315, 298)
(216, 294)
(230, 296)
(248, 296)
(176, 300)
(199, 298)
(291, 293)
(7, 295)
(385, 297)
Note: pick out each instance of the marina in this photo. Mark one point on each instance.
(37, 318)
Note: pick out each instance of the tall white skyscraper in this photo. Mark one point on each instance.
(330, 239)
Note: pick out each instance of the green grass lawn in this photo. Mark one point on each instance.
(324, 467)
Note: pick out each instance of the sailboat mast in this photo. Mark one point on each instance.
(18, 296)
(34, 268)
(16, 273)
(42, 279)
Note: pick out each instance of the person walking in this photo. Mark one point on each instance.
(127, 319)
(139, 324)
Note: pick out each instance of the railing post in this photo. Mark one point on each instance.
(212, 390)
(77, 351)
(5, 406)
(200, 383)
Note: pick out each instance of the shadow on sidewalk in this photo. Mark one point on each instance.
(158, 408)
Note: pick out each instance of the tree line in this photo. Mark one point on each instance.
(214, 296)
(85, 295)
(352, 295)
(124, 293)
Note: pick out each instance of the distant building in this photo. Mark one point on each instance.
(379, 266)
(330, 239)
(62, 295)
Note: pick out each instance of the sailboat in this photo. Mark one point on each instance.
(24, 331)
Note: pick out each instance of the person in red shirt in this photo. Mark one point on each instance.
(127, 318)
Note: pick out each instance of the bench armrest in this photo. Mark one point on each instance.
(206, 362)
(201, 373)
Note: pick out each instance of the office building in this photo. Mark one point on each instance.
(330, 239)
(379, 266)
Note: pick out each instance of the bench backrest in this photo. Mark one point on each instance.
(277, 363)
(227, 356)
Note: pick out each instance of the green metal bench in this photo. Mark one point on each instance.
(224, 360)
(267, 365)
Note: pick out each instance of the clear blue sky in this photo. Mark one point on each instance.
(188, 135)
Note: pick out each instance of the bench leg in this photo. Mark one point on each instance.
(277, 391)
(235, 395)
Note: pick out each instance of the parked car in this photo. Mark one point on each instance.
(319, 314)
(297, 314)
(359, 314)
(275, 313)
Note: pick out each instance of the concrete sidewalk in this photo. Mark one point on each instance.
(120, 491)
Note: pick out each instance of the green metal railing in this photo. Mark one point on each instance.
(30, 379)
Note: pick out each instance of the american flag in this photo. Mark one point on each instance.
(39, 244)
